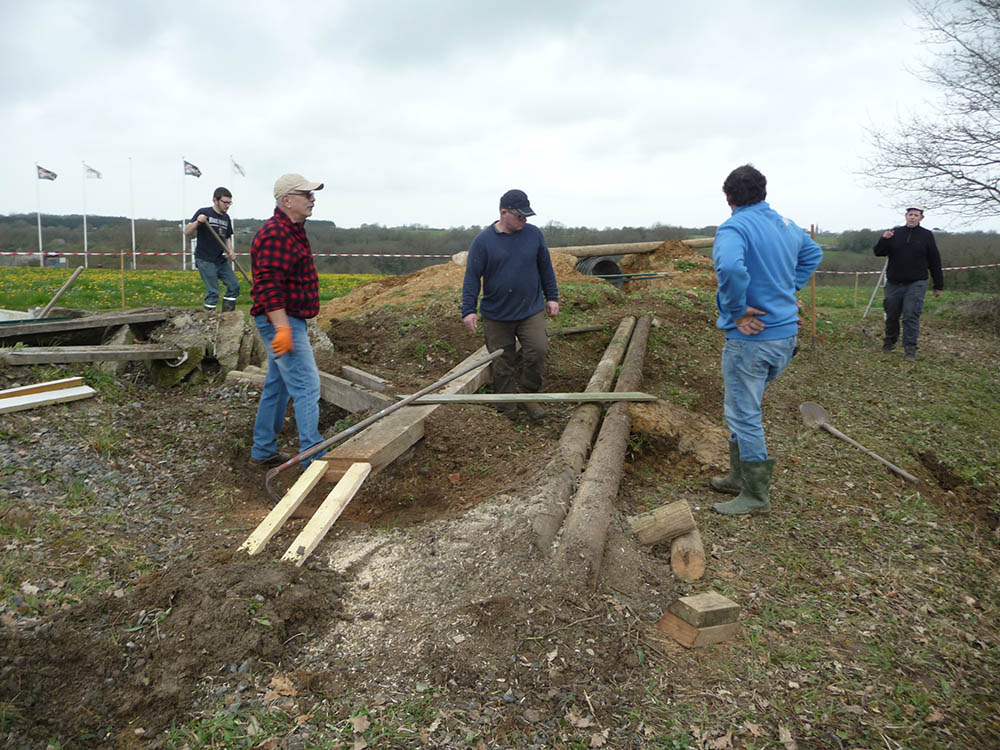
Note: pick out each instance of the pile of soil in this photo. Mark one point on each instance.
(687, 268)
(413, 290)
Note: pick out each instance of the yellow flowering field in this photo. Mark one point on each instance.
(22, 288)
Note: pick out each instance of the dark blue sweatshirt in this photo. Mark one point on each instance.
(514, 272)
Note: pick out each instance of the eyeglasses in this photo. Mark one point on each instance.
(306, 193)
(224, 202)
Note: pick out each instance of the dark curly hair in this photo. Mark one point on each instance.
(745, 186)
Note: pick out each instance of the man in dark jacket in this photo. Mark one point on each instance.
(911, 253)
(510, 263)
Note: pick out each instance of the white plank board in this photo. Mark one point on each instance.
(33, 400)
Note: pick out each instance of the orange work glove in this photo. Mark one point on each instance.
(282, 341)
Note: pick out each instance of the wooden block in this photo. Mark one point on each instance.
(284, 509)
(692, 637)
(349, 396)
(705, 610)
(327, 514)
(52, 385)
(31, 400)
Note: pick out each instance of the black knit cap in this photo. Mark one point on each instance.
(516, 199)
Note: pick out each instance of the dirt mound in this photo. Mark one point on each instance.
(413, 289)
(136, 658)
(687, 268)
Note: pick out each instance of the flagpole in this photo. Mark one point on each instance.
(84, 178)
(131, 207)
(38, 215)
(183, 201)
(232, 171)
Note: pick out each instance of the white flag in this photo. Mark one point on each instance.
(237, 167)
(91, 172)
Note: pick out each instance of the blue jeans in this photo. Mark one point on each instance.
(906, 299)
(291, 376)
(747, 367)
(211, 272)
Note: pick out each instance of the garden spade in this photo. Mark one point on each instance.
(815, 416)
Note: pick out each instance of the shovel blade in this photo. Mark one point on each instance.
(813, 414)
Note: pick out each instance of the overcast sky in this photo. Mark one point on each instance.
(623, 113)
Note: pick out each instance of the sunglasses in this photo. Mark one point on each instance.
(306, 193)
(518, 213)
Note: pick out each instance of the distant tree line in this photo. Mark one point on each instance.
(846, 251)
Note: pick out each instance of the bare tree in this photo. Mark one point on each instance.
(950, 158)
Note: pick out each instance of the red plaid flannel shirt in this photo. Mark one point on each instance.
(284, 272)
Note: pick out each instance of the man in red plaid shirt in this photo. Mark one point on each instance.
(285, 294)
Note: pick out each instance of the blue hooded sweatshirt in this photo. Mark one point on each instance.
(761, 260)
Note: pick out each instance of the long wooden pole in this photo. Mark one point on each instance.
(61, 292)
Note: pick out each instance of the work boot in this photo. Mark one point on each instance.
(509, 411)
(888, 346)
(270, 462)
(535, 411)
(228, 305)
(911, 354)
(733, 483)
(209, 308)
(753, 498)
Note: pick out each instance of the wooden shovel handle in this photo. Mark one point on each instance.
(837, 433)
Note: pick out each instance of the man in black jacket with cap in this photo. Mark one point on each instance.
(911, 253)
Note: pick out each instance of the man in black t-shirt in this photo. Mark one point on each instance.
(211, 257)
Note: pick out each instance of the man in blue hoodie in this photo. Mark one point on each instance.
(510, 263)
(761, 260)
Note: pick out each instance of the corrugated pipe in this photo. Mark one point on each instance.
(602, 265)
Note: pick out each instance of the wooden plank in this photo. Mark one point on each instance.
(692, 637)
(538, 398)
(32, 400)
(349, 396)
(337, 391)
(36, 355)
(26, 328)
(389, 438)
(284, 509)
(706, 609)
(327, 514)
(366, 379)
(52, 385)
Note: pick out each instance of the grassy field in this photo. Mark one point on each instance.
(102, 289)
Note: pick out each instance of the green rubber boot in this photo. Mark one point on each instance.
(733, 483)
(753, 498)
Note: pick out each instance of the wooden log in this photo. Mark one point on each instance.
(664, 523)
(574, 329)
(327, 514)
(586, 529)
(284, 509)
(706, 609)
(690, 636)
(687, 556)
(62, 290)
(623, 248)
(245, 376)
(563, 470)
(699, 242)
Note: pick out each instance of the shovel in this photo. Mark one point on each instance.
(815, 416)
(226, 247)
